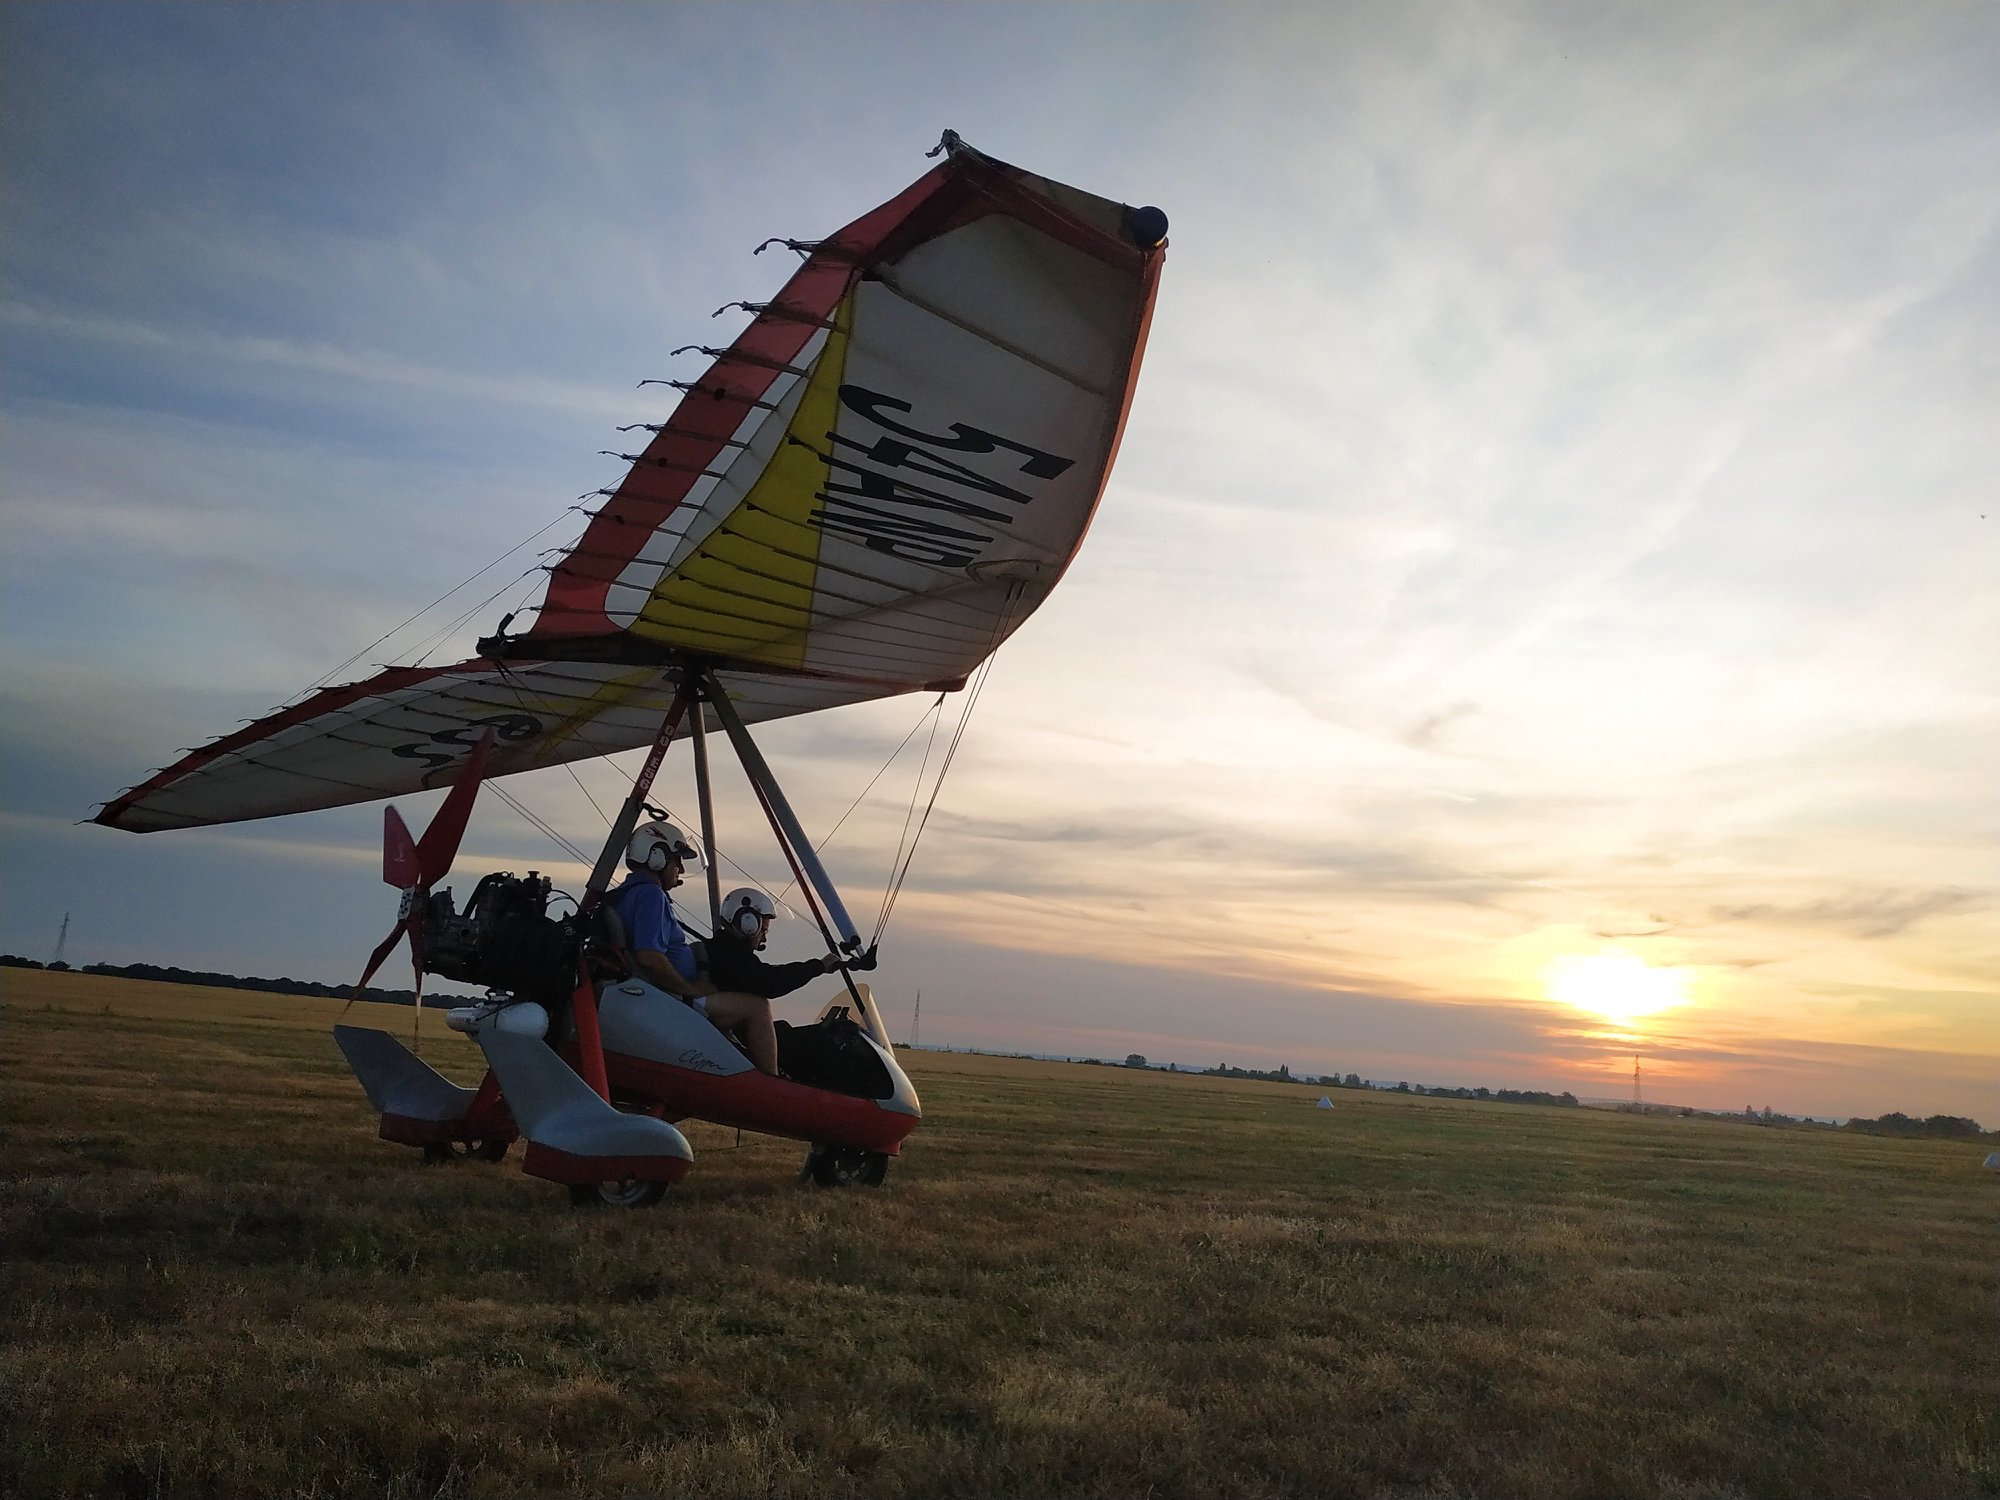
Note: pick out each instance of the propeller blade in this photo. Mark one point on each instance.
(401, 865)
(382, 950)
(440, 842)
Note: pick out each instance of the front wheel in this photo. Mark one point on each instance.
(629, 1193)
(840, 1166)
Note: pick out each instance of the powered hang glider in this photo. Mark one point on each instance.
(863, 495)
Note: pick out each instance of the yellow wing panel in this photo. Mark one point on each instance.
(747, 589)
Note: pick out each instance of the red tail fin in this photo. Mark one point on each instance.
(440, 843)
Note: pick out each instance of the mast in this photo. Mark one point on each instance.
(707, 803)
(62, 941)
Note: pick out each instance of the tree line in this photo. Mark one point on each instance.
(203, 977)
(1936, 1127)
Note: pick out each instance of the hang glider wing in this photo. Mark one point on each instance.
(409, 729)
(863, 495)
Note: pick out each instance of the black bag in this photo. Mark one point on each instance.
(833, 1054)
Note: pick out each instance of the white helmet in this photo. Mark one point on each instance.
(745, 910)
(656, 843)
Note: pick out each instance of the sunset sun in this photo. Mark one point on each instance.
(1617, 987)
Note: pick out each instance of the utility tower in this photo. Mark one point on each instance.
(916, 1017)
(62, 940)
(1638, 1096)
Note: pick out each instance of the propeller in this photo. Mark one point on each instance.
(414, 865)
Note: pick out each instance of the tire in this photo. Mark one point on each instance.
(841, 1166)
(631, 1193)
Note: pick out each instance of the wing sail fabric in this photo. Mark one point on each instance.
(863, 495)
(408, 730)
(896, 460)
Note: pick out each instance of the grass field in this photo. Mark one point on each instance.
(1077, 1281)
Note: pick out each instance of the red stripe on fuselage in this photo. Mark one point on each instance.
(757, 1101)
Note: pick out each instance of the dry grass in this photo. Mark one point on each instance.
(1077, 1281)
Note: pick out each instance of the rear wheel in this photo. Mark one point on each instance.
(444, 1151)
(628, 1193)
(841, 1166)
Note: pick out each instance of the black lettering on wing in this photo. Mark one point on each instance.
(912, 538)
(894, 453)
(449, 746)
(886, 487)
(964, 438)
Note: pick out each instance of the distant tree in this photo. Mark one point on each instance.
(1353, 1081)
(1941, 1127)
(1135, 1060)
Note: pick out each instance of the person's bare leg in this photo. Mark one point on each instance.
(749, 1016)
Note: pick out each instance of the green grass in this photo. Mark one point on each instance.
(1076, 1281)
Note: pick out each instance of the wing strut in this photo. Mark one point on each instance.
(781, 813)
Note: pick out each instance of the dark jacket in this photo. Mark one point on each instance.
(734, 965)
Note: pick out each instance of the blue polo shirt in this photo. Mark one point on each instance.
(650, 923)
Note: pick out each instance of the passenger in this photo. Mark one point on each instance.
(660, 949)
(747, 916)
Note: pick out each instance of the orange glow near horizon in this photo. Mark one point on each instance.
(1617, 987)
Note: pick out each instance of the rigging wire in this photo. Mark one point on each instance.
(897, 877)
(935, 708)
(437, 638)
(331, 673)
(571, 768)
(916, 790)
(951, 751)
(539, 823)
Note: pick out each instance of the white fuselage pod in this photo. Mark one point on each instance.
(645, 1026)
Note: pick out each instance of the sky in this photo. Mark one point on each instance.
(1543, 615)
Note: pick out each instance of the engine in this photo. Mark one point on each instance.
(505, 939)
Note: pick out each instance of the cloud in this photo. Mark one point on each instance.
(607, 403)
(1865, 914)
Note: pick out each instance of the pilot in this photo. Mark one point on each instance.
(747, 915)
(660, 949)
